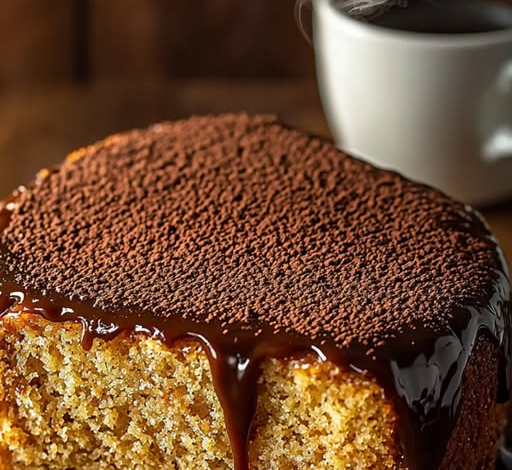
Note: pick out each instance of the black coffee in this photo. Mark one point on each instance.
(447, 16)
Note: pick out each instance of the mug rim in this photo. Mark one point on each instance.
(486, 38)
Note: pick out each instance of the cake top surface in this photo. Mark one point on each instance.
(237, 219)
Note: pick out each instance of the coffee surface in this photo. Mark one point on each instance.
(447, 17)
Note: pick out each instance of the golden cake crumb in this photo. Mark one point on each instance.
(133, 403)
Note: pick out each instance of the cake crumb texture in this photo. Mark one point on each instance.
(134, 403)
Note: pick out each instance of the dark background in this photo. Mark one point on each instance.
(74, 71)
(50, 41)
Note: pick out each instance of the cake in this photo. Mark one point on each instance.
(225, 292)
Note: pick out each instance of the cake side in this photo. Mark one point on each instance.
(480, 420)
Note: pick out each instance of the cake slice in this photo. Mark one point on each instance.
(229, 293)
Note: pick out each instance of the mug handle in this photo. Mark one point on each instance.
(499, 145)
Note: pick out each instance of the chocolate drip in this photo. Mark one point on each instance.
(234, 356)
(235, 378)
(421, 373)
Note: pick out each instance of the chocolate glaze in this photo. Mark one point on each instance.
(412, 327)
(424, 381)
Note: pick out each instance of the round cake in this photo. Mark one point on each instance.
(226, 292)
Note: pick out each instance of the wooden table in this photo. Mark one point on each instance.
(39, 126)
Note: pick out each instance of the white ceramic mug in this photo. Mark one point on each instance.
(435, 107)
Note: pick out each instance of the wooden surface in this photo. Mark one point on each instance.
(36, 42)
(55, 41)
(39, 127)
(500, 220)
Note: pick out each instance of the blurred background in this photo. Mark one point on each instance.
(74, 71)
